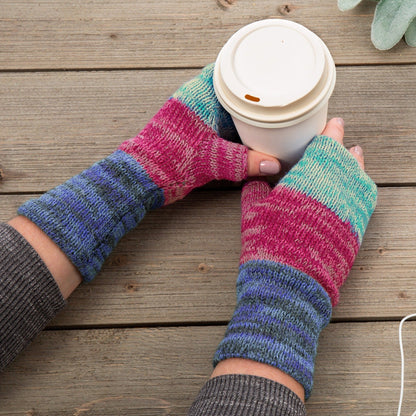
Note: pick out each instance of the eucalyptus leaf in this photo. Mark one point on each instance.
(391, 20)
(344, 5)
(410, 34)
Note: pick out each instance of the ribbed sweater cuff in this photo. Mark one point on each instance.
(245, 395)
(29, 295)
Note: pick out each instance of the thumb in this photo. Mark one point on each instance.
(253, 191)
(235, 162)
(225, 160)
(260, 164)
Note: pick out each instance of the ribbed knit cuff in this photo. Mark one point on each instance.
(279, 315)
(245, 395)
(29, 295)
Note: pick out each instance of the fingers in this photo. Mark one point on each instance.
(253, 191)
(260, 164)
(335, 129)
(358, 153)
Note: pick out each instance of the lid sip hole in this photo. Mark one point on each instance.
(251, 98)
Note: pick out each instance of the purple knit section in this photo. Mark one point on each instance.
(180, 152)
(279, 315)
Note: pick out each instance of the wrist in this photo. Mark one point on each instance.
(62, 270)
(254, 368)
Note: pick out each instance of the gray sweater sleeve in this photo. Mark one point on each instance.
(244, 395)
(29, 295)
(30, 298)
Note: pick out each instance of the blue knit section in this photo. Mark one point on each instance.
(198, 94)
(279, 315)
(88, 215)
(329, 174)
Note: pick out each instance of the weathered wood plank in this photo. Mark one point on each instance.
(56, 124)
(180, 265)
(167, 33)
(382, 282)
(159, 371)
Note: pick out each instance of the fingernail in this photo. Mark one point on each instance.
(340, 121)
(269, 167)
(357, 150)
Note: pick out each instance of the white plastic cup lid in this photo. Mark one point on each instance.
(273, 71)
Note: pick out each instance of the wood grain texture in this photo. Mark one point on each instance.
(169, 33)
(180, 265)
(78, 78)
(159, 371)
(56, 124)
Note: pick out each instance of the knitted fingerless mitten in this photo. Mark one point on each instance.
(179, 150)
(299, 242)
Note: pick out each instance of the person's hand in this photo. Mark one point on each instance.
(178, 150)
(315, 218)
(299, 241)
(335, 130)
(189, 143)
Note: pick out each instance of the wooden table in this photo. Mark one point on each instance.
(76, 79)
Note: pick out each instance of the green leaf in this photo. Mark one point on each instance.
(391, 20)
(344, 5)
(410, 34)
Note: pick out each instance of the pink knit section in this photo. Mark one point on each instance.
(301, 233)
(180, 152)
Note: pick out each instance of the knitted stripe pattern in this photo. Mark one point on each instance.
(299, 242)
(88, 215)
(194, 153)
(279, 315)
(301, 239)
(336, 181)
(199, 96)
(315, 217)
(177, 151)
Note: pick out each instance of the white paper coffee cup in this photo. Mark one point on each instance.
(275, 78)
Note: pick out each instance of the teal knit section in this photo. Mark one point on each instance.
(321, 175)
(198, 94)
